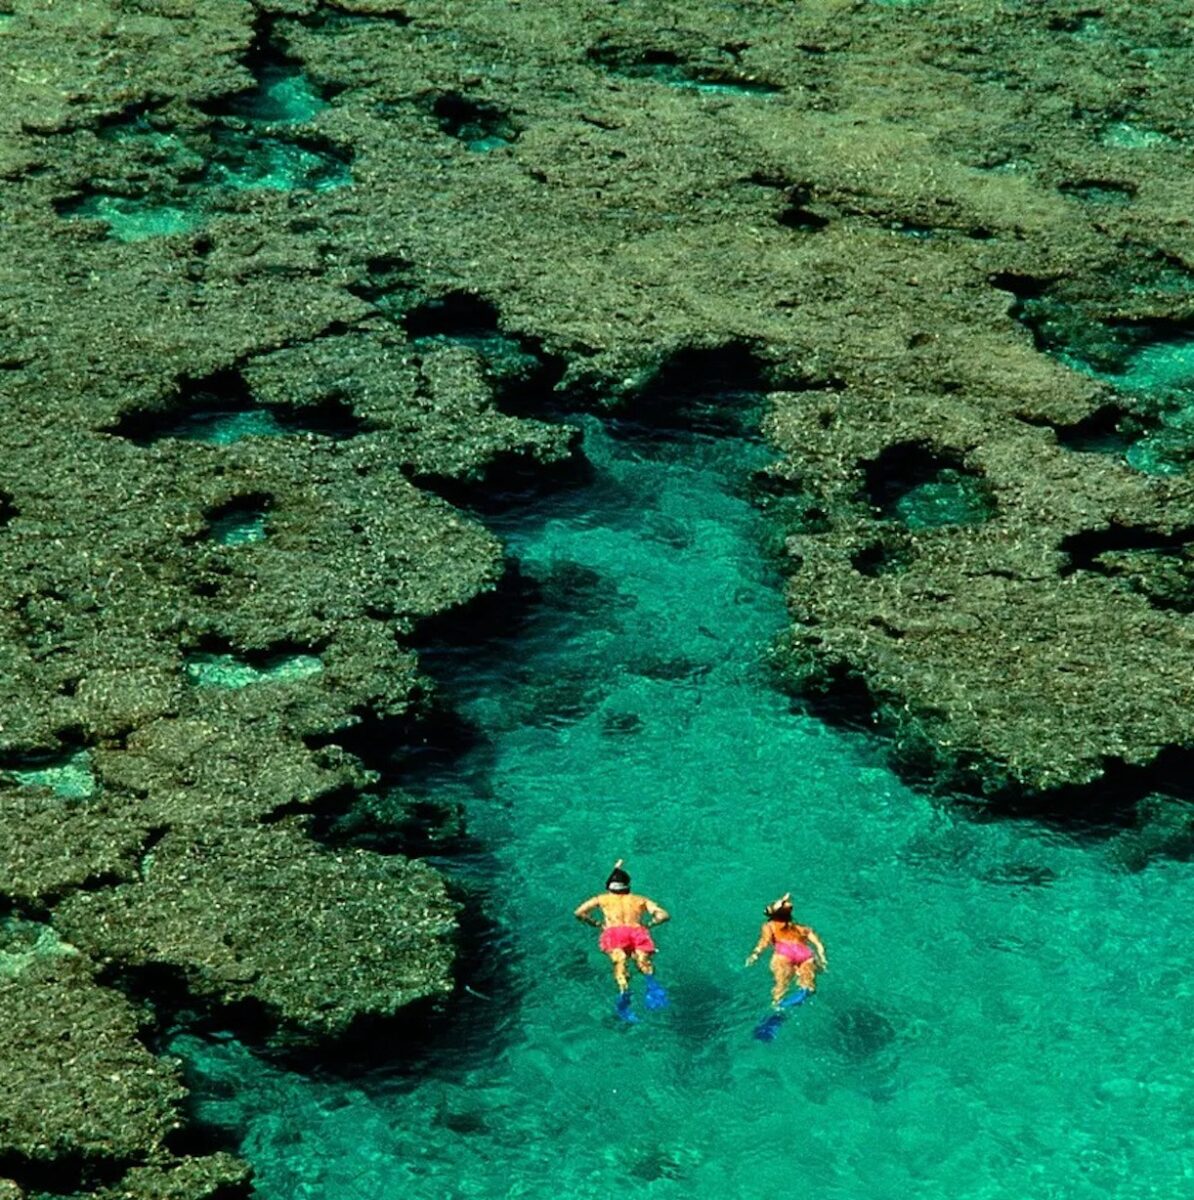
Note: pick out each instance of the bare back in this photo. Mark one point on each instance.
(624, 909)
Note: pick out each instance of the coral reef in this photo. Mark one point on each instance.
(288, 282)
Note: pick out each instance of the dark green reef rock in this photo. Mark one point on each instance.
(289, 284)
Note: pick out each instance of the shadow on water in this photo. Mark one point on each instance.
(220, 409)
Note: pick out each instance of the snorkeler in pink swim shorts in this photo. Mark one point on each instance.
(798, 951)
(623, 935)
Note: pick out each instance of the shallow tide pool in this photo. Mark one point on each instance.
(1006, 1009)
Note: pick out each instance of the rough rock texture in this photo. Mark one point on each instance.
(265, 915)
(212, 1177)
(476, 206)
(80, 1094)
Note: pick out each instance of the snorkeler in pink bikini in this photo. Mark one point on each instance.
(798, 951)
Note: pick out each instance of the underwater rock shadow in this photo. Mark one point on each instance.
(924, 486)
(281, 93)
(667, 68)
(510, 481)
(220, 408)
(507, 637)
(525, 376)
(715, 392)
(422, 761)
(448, 1035)
(974, 788)
(69, 1174)
(480, 124)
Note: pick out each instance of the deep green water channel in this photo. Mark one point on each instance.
(1007, 1009)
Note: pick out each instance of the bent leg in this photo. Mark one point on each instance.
(781, 972)
(618, 958)
(642, 960)
(806, 975)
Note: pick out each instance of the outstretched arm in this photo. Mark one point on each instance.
(766, 937)
(582, 912)
(658, 915)
(819, 948)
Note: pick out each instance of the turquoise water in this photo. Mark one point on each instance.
(952, 499)
(1122, 135)
(68, 775)
(239, 526)
(134, 220)
(284, 95)
(222, 427)
(1164, 371)
(1006, 1008)
(22, 943)
(232, 671)
(250, 161)
(1153, 370)
(249, 151)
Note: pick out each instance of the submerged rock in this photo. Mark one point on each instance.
(625, 189)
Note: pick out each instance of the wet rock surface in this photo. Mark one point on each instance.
(319, 939)
(82, 1099)
(329, 264)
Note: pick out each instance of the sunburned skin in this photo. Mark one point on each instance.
(620, 911)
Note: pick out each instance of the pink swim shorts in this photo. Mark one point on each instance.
(794, 952)
(631, 938)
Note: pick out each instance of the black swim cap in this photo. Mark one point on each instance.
(618, 881)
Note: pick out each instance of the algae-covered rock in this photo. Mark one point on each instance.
(248, 334)
(195, 770)
(995, 654)
(54, 844)
(80, 1094)
(318, 938)
(212, 1177)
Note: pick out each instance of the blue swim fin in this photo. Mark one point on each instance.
(797, 997)
(656, 995)
(623, 1009)
(768, 1027)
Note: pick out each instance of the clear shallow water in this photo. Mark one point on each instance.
(69, 775)
(250, 151)
(1154, 373)
(239, 527)
(230, 671)
(951, 499)
(1006, 1009)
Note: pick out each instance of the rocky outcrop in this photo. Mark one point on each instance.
(257, 351)
(267, 917)
(82, 1102)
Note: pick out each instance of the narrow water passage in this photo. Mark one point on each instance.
(1005, 1007)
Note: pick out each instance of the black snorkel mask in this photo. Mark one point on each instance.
(618, 881)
